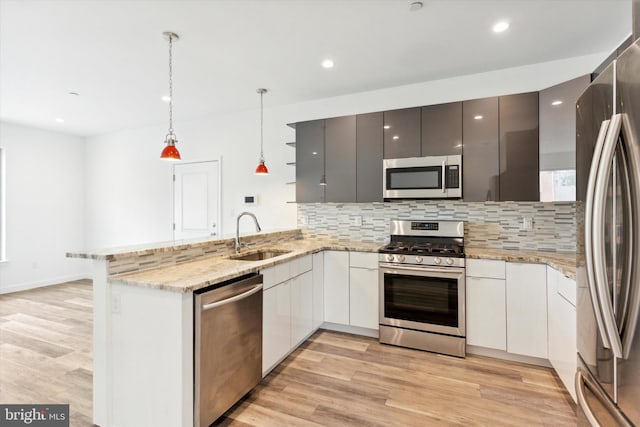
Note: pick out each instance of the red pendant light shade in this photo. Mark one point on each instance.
(262, 169)
(170, 152)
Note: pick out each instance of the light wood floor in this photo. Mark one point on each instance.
(333, 379)
(338, 379)
(46, 348)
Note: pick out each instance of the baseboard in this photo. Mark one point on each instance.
(500, 354)
(41, 283)
(356, 330)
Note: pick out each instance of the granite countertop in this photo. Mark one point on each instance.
(565, 262)
(194, 275)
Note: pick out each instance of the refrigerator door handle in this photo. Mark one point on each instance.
(631, 311)
(598, 232)
(588, 226)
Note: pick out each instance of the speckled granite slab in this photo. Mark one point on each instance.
(564, 262)
(194, 275)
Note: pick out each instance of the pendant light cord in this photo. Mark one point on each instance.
(261, 128)
(170, 85)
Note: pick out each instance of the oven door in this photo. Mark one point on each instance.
(423, 298)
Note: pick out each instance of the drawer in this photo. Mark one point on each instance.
(301, 265)
(269, 277)
(283, 271)
(363, 259)
(491, 269)
(567, 288)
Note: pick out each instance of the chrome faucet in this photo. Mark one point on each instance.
(258, 229)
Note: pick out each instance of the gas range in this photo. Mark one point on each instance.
(430, 243)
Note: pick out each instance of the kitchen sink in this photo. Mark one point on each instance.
(259, 256)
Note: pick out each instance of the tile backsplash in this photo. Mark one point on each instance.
(488, 224)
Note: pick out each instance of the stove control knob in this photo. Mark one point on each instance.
(419, 259)
(401, 258)
(449, 261)
(437, 260)
(390, 257)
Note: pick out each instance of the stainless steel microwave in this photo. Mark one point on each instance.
(436, 177)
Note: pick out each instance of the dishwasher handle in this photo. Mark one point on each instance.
(233, 298)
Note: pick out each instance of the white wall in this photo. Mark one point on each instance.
(129, 188)
(45, 207)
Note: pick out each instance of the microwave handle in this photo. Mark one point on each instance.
(444, 176)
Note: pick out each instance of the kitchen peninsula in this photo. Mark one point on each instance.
(143, 319)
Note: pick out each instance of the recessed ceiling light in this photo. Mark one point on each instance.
(327, 63)
(166, 98)
(59, 120)
(478, 117)
(500, 27)
(396, 137)
(415, 6)
(386, 126)
(556, 102)
(314, 153)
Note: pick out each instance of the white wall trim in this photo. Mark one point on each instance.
(42, 283)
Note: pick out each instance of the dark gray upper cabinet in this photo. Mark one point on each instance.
(369, 153)
(340, 160)
(480, 170)
(309, 161)
(557, 145)
(442, 129)
(402, 133)
(519, 147)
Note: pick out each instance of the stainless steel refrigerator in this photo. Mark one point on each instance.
(608, 221)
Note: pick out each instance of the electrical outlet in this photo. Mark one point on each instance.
(356, 220)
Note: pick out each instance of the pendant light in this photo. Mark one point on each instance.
(262, 168)
(170, 152)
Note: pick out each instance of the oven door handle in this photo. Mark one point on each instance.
(389, 268)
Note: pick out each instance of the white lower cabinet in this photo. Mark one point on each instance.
(276, 324)
(486, 313)
(527, 309)
(336, 287)
(318, 289)
(486, 304)
(301, 308)
(363, 297)
(562, 328)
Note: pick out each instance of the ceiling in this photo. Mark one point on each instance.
(114, 55)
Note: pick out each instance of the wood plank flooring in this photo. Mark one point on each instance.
(333, 379)
(46, 347)
(337, 379)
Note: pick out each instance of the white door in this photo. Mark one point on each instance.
(196, 199)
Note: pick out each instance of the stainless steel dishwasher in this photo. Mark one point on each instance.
(228, 345)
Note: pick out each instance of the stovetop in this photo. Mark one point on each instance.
(437, 248)
(439, 243)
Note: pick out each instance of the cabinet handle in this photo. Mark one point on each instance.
(444, 176)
